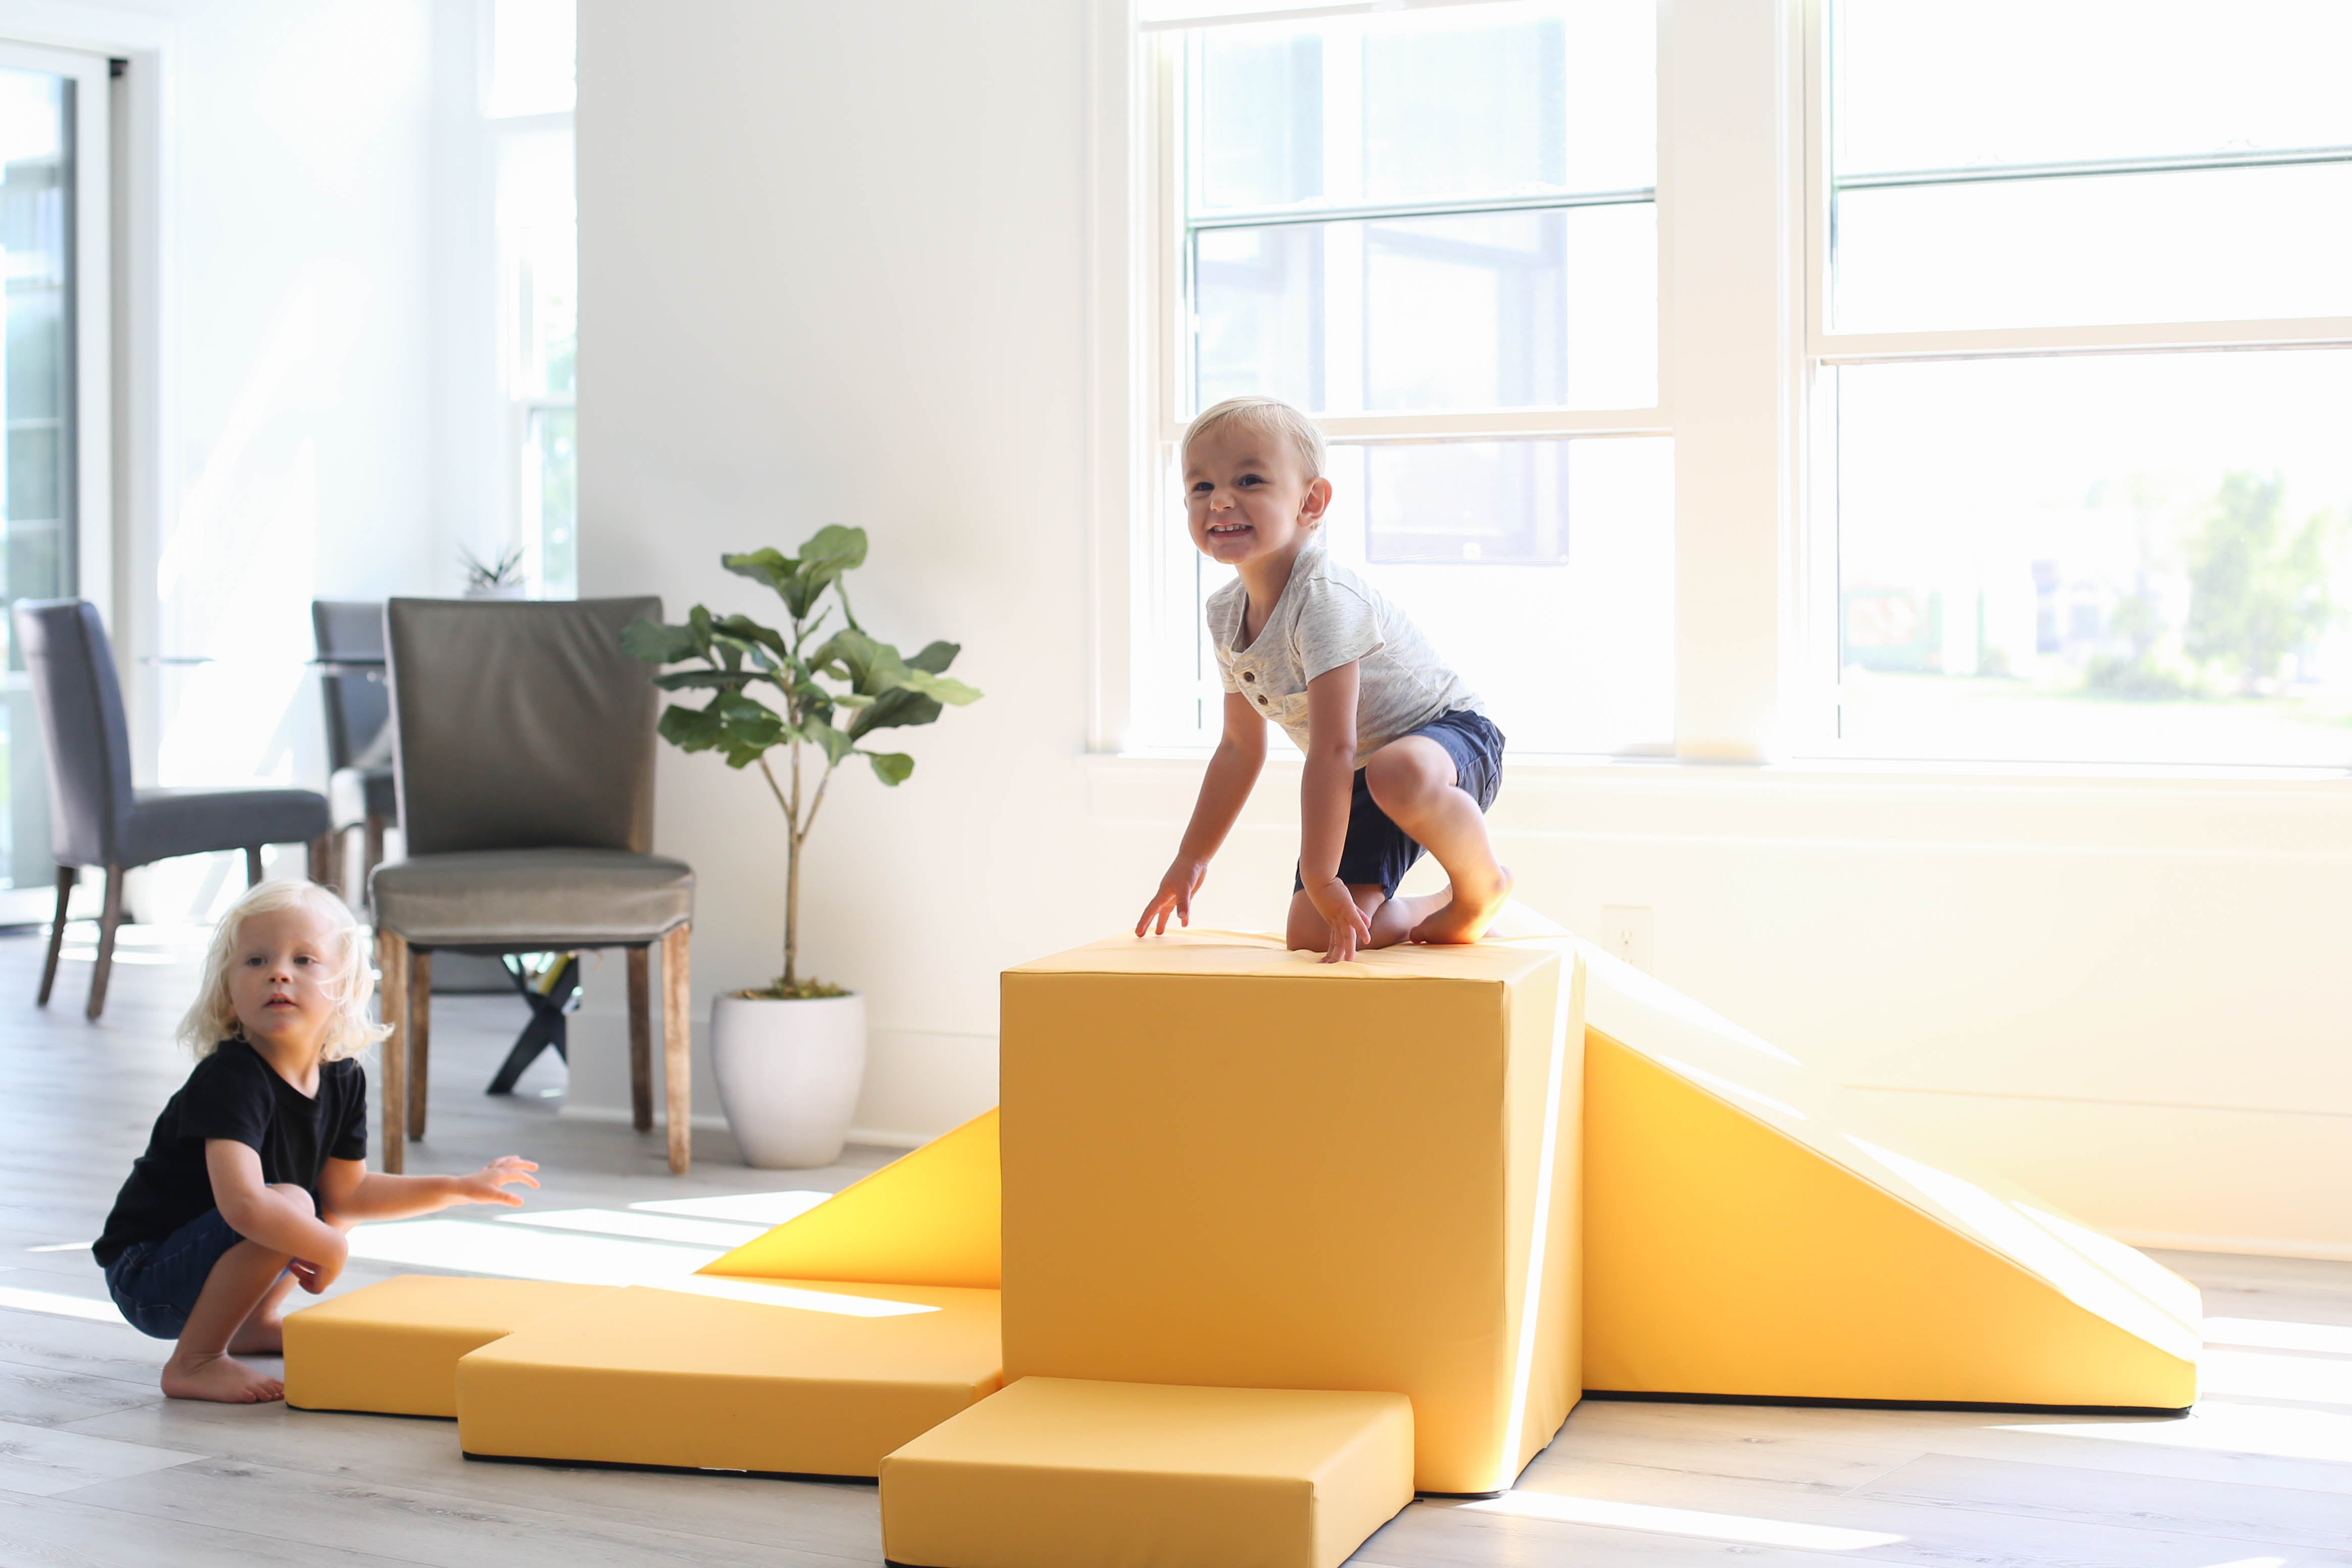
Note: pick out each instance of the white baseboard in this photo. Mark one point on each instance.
(2246, 1246)
(610, 1114)
(880, 1139)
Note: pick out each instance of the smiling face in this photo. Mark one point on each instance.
(279, 974)
(1247, 497)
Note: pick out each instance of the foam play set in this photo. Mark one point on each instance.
(1255, 1249)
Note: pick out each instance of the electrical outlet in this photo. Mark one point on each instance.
(1625, 932)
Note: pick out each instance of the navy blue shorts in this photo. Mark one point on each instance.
(1377, 849)
(156, 1282)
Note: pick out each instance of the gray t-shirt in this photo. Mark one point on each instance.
(1327, 617)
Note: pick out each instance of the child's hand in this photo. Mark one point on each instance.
(488, 1184)
(1350, 928)
(1175, 897)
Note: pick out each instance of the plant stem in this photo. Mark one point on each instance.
(793, 835)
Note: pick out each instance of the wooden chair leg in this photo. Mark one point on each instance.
(109, 923)
(253, 865)
(392, 1006)
(677, 1040)
(322, 859)
(420, 1035)
(66, 876)
(641, 1039)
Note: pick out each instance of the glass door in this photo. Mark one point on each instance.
(55, 516)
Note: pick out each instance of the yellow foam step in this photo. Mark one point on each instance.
(1229, 1165)
(392, 1347)
(800, 1378)
(1055, 1473)
(930, 1217)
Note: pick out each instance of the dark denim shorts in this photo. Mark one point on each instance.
(1377, 849)
(156, 1282)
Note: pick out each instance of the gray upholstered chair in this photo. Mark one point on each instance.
(360, 793)
(523, 741)
(96, 817)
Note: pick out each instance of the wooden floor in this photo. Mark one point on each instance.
(96, 1469)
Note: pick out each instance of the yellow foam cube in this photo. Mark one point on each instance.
(1229, 1165)
(392, 1347)
(1053, 1473)
(930, 1217)
(800, 1378)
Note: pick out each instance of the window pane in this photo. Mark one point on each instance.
(1443, 104)
(2179, 247)
(550, 498)
(1564, 622)
(533, 43)
(1485, 311)
(2134, 558)
(1993, 82)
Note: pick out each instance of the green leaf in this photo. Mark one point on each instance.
(830, 550)
(936, 657)
(690, 728)
(871, 667)
(771, 566)
(891, 767)
(895, 708)
(655, 643)
(836, 744)
(947, 689)
(689, 679)
(697, 626)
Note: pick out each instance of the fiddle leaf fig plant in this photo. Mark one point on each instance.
(772, 688)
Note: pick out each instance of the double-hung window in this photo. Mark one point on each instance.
(1435, 230)
(2081, 361)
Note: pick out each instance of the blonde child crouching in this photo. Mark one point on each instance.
(258, 1165)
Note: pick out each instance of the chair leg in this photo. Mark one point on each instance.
(108, 924)
(678, 1038)
(420, 1035)
(392, 1006)
(66, 876)
(322, 859)
(641, 1039)
(253, 865)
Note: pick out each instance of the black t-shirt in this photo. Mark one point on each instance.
(234, 1094)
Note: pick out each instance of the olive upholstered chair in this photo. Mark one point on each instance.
(523, 744)
(97, 817)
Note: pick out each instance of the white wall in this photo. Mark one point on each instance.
(281, 228)
(835, 269)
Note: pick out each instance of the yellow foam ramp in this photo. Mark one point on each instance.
(1232, 1166)
(1060, 1474)
(1748, 1231)
(392, 1347)
(806, 1378)
(929, 1219)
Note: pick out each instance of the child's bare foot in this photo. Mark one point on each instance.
(220, 1379)
(1468, 913)
(259, 1336)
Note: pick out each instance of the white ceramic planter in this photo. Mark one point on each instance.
(788, 1074)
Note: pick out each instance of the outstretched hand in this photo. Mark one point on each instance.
(488, 1184)
(1175, 897)
(1349, 928)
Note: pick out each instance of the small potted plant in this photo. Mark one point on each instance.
(789, 1056)
(501, 577)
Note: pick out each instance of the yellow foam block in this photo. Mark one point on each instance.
(1750, 1230)
(1229, 1165)
(392, 1347)
(928, 1218)
(806, 1378)
(1062, 1474)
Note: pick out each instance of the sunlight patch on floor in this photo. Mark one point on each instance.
(1740, 1528)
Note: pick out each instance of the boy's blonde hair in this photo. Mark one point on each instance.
(1267, 417)
(349, 987)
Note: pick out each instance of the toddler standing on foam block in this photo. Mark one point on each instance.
(256, 1165)
(1400, 753)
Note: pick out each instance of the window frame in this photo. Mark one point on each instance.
(1164, 123)
(1815, 680)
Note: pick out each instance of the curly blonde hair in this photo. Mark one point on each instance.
(349, 1031)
